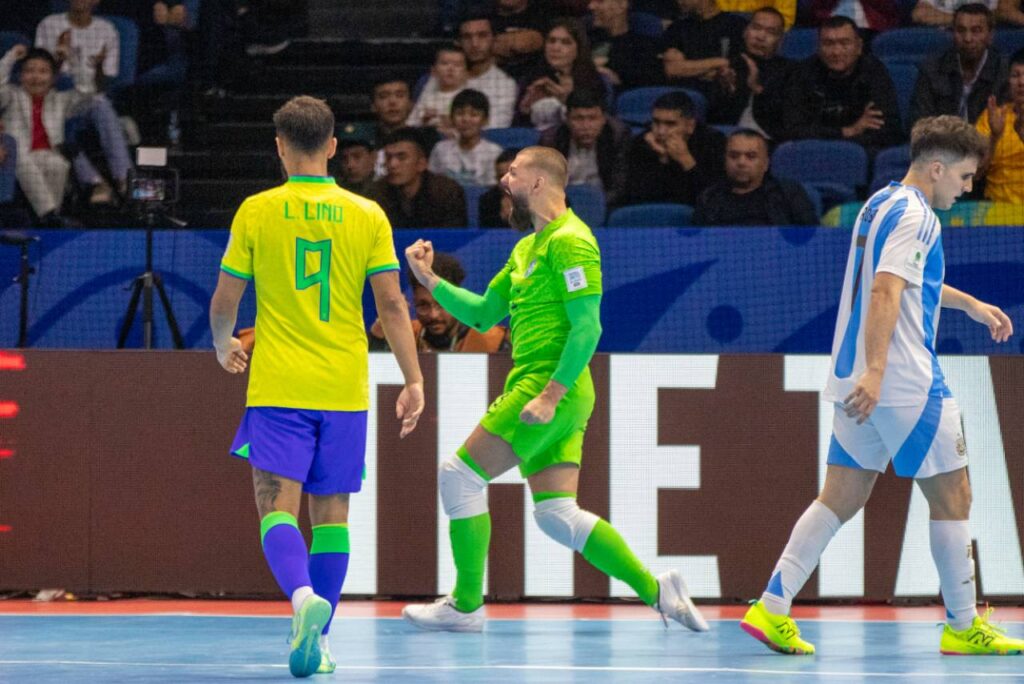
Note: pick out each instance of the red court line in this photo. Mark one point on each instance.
(527, 611)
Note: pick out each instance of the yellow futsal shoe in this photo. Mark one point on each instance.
(311, 617)
(981, 638)
(777, 632)
(327, 662)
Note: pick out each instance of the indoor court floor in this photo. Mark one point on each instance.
(241, 641)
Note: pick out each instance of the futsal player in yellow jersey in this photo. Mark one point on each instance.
(309, 246)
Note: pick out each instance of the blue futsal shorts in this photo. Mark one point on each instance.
(325, 450)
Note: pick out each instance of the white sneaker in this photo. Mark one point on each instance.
(674, 602)
(441, 616)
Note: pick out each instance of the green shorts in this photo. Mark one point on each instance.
(541, 446)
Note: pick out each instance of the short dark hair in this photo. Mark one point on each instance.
(349, 143)
(747, 133)
(305, 123)
(770, 10)
(946, 136)
(838, 22)
(976, 9)
(476, 16)
(406, 134)
(448, 47)
(40, 53)
(678, 101)
(446, 266)
(473, 99)
(389, 78)
(1017, 57)
(585, 98)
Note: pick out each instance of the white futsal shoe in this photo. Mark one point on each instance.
(441, 616)
(674, 602)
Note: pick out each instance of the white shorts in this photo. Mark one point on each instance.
(921, 441)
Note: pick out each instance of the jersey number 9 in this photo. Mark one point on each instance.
(322, 277)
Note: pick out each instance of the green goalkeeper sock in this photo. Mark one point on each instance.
(607, 551)
(470, 538)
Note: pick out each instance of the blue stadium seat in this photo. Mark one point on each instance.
(634, 105)
(645, 24)
(513, 137)
(911, 44)
(831, 193)
(129, 62)
(473, 193)
(821, 161)
(1009, 40)
(814, 195)
(587, 202)
(904, 77)
(655, 215)
(800, 43)
(891, 164)
(9, 39)
(7, 178)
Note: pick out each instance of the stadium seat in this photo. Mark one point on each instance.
(7, 179)
(587, 202)
(904, 77)
(513, 138)
(821, 161)
(910, 44)
(473, 193)
(891, 164)
(800, 43)
(1009, 41)
(814, 195)
(830, 193)
(9, 39)
(655, 215)
(129, 35)
(634, 105)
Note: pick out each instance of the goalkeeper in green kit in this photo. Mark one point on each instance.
(551, 287)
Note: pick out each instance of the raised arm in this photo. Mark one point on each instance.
(479, 312)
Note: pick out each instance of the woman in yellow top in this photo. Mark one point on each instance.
(1003, 167)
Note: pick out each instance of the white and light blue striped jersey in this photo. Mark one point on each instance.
(896, 232)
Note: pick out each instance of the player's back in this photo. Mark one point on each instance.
(896, 232)
(309, 246)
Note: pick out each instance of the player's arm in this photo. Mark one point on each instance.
(883, 312)
(479, 312)
(223, 314)
(393, 311)
(997, 322)
(585, 318)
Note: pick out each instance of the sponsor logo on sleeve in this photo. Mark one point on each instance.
(575, 279)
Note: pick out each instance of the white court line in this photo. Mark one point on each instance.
(524, 668)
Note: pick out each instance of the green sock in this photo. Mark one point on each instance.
(470, 539)
(607, 551)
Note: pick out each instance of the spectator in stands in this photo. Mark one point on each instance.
(750, 91)
(469, 159)
(476, 38)
(870, 16)
(1003, 166)
(412, 196)
(86, 47)
(626, 59)
(1011, 12)
(961, 79)
(35, 114)
(391, 103)
(941, 12)
(447, 79)
(357, 160)
(593, 142)
(519, 27)
(435, 329)
(676, 158)
(564, 65)
(495, 205)
(697, 47)
(750, 196)
(785, 8)
(841, 93)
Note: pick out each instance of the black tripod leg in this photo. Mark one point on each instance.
(129, 316)
(172, 322)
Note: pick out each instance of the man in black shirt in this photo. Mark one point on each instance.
(519, 27)
(411, 196)
(749, 196)
(627, 59)
(749, 93)
(677, 158)
(841, 93)
(699, 46)
(960, 80)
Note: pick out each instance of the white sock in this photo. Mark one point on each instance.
(300, 595)
(323, 642)
(811, 534)
(954, 559)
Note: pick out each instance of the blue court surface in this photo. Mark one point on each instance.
(52, 648)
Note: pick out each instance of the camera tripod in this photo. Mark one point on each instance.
(142, 287)
(25, 270)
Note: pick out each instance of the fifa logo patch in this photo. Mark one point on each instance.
(915, 259)
(575, 279)
(961, 445)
